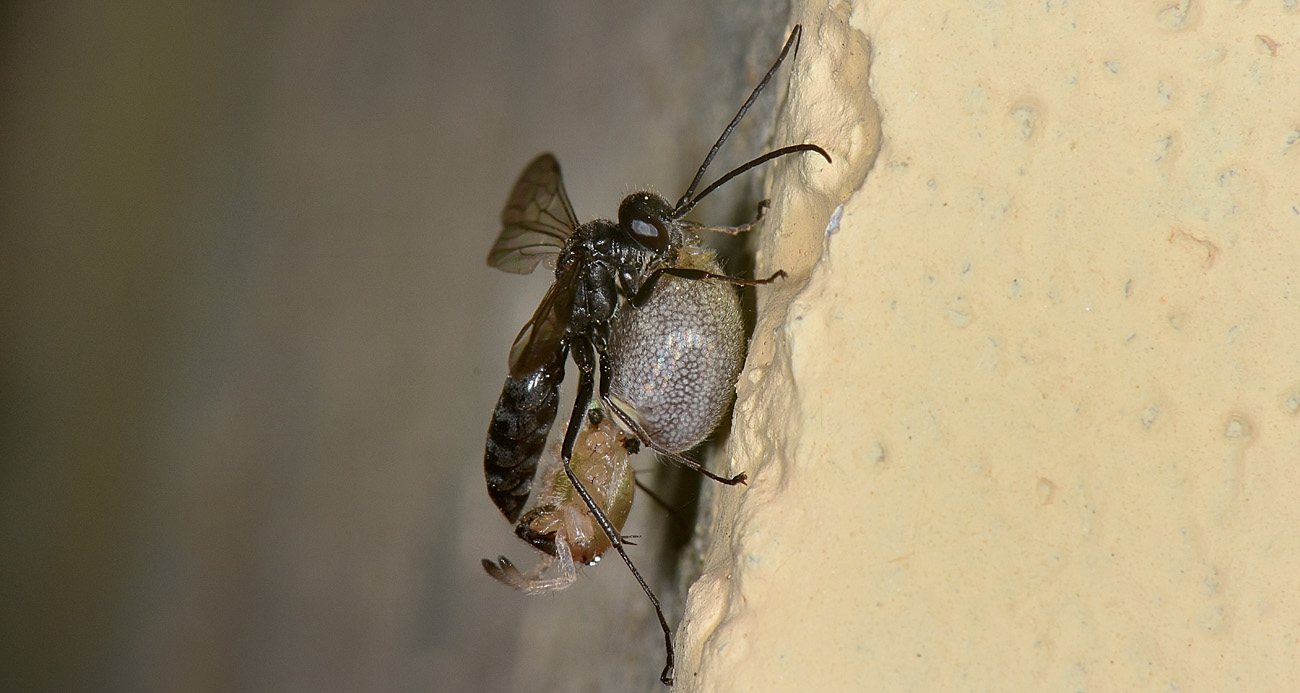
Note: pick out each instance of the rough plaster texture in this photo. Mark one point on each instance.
(1024, 417)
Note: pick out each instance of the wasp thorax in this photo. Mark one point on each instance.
(675, 359)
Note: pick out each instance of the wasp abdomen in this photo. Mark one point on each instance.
(675, 359)
(517, 435)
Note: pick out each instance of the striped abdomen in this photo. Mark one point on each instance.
(518, 433)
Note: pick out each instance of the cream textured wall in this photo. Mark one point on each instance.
(1024, 417)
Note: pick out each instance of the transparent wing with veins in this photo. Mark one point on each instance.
(537, 219)
(540, 339)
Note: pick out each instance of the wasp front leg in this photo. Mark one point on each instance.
(763, 206)
(647, 289)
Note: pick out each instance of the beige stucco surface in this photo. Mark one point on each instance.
(1026, 419)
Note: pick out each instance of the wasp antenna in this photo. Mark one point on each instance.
(793, 41)
(684, 207)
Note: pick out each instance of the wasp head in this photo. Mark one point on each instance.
(646, 218)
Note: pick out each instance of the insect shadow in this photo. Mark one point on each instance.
(629, 302)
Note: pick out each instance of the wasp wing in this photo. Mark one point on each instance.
(541, 338)
(537, 219)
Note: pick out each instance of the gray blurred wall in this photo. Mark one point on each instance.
(249, 346)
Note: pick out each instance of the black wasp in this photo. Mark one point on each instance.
(601, 267)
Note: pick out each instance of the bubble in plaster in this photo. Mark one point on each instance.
(1148, 416)
(1164, 93)
(1291, 138)
(1234, 333)
(1025, 118)
(1046, 491)
(989, 359)
(1237, 428)
(1197, 244)
(1112, 66)
(876, 455)
(1210, 57)
(1292, 402)
(1175, 17)
(1014, 289)
(994, 204)
(957, 317)
(1167, 150)
(1212, 618)
(1210, 583)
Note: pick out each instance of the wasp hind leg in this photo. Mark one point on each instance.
(584, 355)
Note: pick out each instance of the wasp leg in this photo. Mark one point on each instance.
(648, 286)
(732, 230)
(644, 436)
(649, 442)
(584, 355)
(583, 358)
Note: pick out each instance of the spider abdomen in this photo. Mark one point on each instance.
(675, 359)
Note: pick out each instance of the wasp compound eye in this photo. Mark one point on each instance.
(644, 217)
